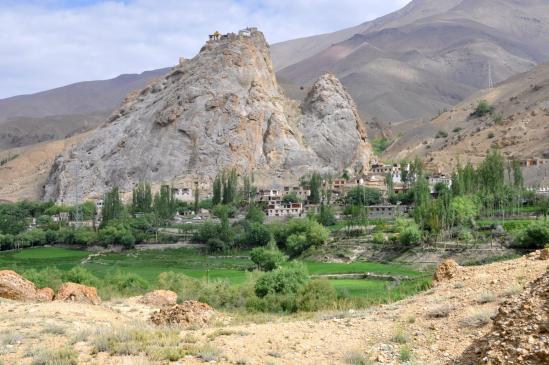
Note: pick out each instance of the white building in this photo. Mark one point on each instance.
(281, 209)
(183, 194)
(439, 179)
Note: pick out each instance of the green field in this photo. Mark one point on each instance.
(149, 264)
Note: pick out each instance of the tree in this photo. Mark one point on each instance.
(12, 219)
(465, 209)
(518, 179)
(291, 198)
(230, 186)
(326, 216)
(142, 199)
(389, 182)
(257, 235)
(267, 259)
(112, 207)
(196, 197)
(363, 196)
(217, 190)
(255, 214)
(314, 185)
(164, 204)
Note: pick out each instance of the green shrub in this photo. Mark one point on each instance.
(535, 236)
(255, 214)
(285, 280)
(326, 216)
(410, 235)
(81, 276)
(127, 283)
(116, 233)
(379, 145)
(257, 235)
(298, 235)
(483, 108)
(317, 295)
(267, 259)
(441, 134)
(379, 238)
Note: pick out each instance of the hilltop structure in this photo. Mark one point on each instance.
(221, 109)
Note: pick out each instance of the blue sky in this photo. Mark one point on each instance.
(50, 43)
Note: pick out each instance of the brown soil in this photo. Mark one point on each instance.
(436, 326)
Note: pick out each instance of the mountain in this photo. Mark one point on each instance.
(65, 111)
(224, 108)
(426, 57)
(518, 126)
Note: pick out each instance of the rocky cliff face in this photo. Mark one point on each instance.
(221, 109)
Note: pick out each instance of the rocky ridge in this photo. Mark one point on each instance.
(224, 108)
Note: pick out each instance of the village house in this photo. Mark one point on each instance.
(267, 195)
(388, 211)
(281, 209)
(436, 179)
(299, 191)
(183, 194)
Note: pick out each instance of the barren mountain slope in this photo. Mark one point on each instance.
(64, 111)
(519, 126)
(25, 176)
(436, 326)
(223, 108)
(429, 55)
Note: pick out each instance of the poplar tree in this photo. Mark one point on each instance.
(142, 199)
(112, 207)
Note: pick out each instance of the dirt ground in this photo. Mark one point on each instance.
(433, 327)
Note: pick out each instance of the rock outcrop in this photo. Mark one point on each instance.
(445, 271)
(158, 298)
(45, 295)
(520, 334)
(224, 108)
(15, 287)
(72, 292)
(189, 312)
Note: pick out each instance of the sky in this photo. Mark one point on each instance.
(50, 43)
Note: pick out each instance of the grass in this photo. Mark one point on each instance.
(149, 264)
(357, 358)
(158, 344)
(477, 318)
(441, 311)
(61, 356)
(405, 354)
(486, 297)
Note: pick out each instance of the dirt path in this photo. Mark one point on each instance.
(167, 246)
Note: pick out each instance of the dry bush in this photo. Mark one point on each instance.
(486, 297)
(60, 356)
(477, 318)
(441, 311)
(357, 358)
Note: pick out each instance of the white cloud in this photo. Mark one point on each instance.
(44, 46)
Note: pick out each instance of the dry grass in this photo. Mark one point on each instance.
(209, 353)
(61, 356)
(357, 358)
(159, 344)
(11, 337)
(512, 290)
(441, 311)
(486, 297)
(477, 318)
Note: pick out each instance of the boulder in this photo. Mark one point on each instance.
(14, 286)
(190, 312)
(445, 271)
(158, 298)
(72, 292)
(544, 254)
(45, 295)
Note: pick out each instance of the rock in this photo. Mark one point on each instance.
(159, 298)
(72, 292)
(445, 271)
(544, 254)
(14, 286)
(189, 312)
(519, 332)
(45, 295)
(223, 108)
